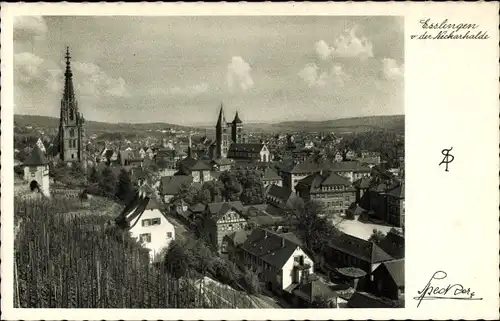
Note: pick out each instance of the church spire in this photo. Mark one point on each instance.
(69, 92)
(221, 121)
(237, 119)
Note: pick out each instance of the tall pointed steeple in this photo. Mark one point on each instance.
(237, 119)
(69, 92)
(221, 120)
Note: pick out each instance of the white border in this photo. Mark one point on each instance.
(451, 100)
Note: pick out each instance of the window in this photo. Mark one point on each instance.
(72, 156)
(146, 222)
(169, 235)
(145, 238)
(71, 114)
(156, 221)
(71, 132)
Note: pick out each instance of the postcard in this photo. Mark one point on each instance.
(249, 161)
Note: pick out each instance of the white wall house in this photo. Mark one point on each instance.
(148, 224)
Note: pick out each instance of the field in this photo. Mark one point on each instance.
(82, 261)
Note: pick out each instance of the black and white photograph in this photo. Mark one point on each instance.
(209, 162)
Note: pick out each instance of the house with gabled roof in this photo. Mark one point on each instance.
(346, 250)
(279, 259)
(389, 279)
(145, 220)
(170, 186)
(223, 218)
(270, 177)
(278, 196)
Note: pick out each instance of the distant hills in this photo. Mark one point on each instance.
(94, 126)
(356, 124)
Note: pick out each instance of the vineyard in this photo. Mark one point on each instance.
(81, 261)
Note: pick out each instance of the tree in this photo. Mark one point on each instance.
(376, 236)
(94, 176)
(232, 187)
(176, 262)
(125, 188)
(252, 188)
(108, 184)
(314, 229)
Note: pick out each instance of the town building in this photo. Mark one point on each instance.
(256, 152)
(36, 171)
(223, 218)
(332, 190)
(71, 121)
(171, 186)
(347, 251)
(278, 196)
(270, 177)
(279, 259)
(143, 218)
(389, 280)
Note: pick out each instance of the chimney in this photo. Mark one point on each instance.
(265, 234)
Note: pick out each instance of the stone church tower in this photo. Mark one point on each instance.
(221, 135)
(71, 132)
(237, 130)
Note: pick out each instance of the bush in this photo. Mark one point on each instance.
(250, 281)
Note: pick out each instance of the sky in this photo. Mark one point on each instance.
(180, 69)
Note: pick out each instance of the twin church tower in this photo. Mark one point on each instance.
(222, 138)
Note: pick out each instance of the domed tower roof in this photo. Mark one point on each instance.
(237, 119)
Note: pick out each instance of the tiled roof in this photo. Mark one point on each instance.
(364, 182)
(171, 185)
(314, 289)
(201, 166)
(279, 192)
(362, 249)
(223, 161)
(316, 181)
(269, 247)
(311, 166)
(366, 300)
(239, 237)
(396, 269)
(196, 208)
(134, 209)
(246, 147)
(270, 175)
(219, 209)
(398, 192)
(36, 157)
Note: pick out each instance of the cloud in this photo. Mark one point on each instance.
(323, 50)
(238, 74)
(314, 77)
(91, 80)
(346, 45)
(391, 69)
(27, 28)
(27, 67)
